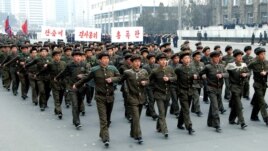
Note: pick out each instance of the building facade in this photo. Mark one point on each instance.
(239, 11)
(122, 13)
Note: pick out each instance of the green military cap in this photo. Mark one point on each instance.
(33, 49)
(143, 50)
(196, 53)
(175, 55)
(103, 54)
(237, 52)
(135, 57)
(214, 54)
(228, 47)
(216, 47)
(150, 55)
(160, 56)
(205, 49)
(12, 46)
(247, 48)
(24, 46)
(56, 52)
(258, 50)
(199, 47)
(127, 56)
(198, 44)
(183, 54)
(167, 50)
(77, 52)
(88, 49)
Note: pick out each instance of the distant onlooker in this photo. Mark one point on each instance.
(252, 39)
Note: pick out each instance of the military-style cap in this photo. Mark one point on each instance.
(12, 46)
(205, 49)
(135, 57)
(43, 48)
(228, 47)
(103, 54)
(216, 47)
(196, 53)
(186, 42)
(143, 50)
(175, 55)
(56, 52)
(247, 48)
(183, 54)
(33, 49)
(77, 52)
(67, 48)
(199, 47)
(88, 49)
(258, 50)
(127, 56)
(167, 50)
(215, 54)
(150, 55)
(237, 52)
(24, 46)
(161, 55)
(198, 44)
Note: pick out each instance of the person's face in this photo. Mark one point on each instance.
(34, 54)
(216, 59)
(162, 62)
(261, 56)
(248, 52)
(43, 53)
(145, 54)
(24, 50)
(110, 52)
(97, 52)
(238, 58)
(89, 53)
(104, 61)
(57, 57)
(136, 63)
(14, 50)
(128, 61)
(176, 60)
(230, 51)
(68, 53)
(186, 60)
(152, 60)
(207, 52)
(197, 58)
(77, 58)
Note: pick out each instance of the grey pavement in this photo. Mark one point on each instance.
(24, 128)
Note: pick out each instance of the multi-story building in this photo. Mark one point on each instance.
(122, 13)
(239, 11)
(5, 6)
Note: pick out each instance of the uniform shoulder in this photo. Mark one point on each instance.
(95, 68)
(112, 67)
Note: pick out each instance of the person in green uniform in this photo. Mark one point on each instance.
(105, 77)
(247, 58)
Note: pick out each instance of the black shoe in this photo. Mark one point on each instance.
(129, 119)
(247, 98)
(180, 127)
(199, 114)
(155, 117)
(206, 101)
(191, 131)
(255, 119)
(67, 106)
(15, 93)
(139, 139)
(227, 98)
(166, 135)
(158, 130)
(42, 109)
(24, 97)
(78, 126)
(232, 122)
(243, 126)
(8, 89)
(223, 111)
(106, 143)
(218, 130)
(83, 113)
(60, 116)
(89, 104)
(35, 103)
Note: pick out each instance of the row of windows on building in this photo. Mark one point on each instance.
(237, 2)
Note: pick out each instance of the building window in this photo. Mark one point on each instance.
(263, 1)
(264, 17)
(225, 19)
(250, 18)
(236, 3)
(224, 2)
(249, 2)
